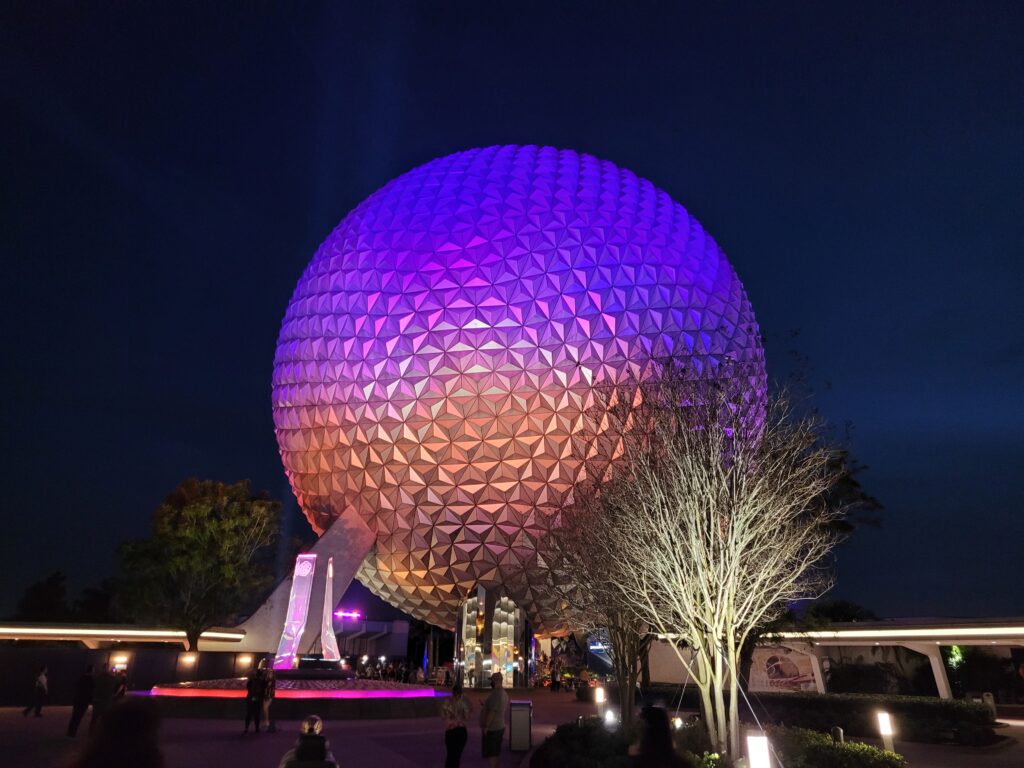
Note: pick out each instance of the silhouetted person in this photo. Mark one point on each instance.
(126, 737)
(269, 692)
(40, 689)
(311, 747)
(255, 687)
(455, 713)
(82, 699)
(104, 690)
(121, 688)
(492, 720)
(656, 747)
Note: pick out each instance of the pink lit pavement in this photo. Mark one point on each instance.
(32, 743)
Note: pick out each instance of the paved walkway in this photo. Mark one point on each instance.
(186, 743)
(41, 743)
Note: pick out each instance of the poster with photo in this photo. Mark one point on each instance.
(780, 669)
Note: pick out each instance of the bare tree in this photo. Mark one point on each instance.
(724, 519)
(581, 553)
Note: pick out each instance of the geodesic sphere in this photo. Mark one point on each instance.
(437, 354)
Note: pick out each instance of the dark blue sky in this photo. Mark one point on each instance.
(168, 170)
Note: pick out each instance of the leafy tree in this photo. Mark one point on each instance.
(45, 600)
(210, 551)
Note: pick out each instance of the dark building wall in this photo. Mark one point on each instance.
(146, 666)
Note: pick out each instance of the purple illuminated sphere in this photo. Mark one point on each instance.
(437, 354)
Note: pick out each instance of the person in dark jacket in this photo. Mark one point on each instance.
(82, 699)
(104, 691)
(121, 689)
(656, 747)
(269, 692)
(311, 746)
(255, 689)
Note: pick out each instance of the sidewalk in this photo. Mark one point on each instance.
(41, 743)
(187, 743)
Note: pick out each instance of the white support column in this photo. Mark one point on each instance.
(348, 541)
(934, 654)
(298, 611)
(811, 652)
(328, 640)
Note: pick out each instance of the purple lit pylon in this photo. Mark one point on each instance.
(328, 640)
(298, 609)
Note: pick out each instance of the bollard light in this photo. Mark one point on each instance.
(884, 724)
(599, 695)
(609, 718)
(885, 728)
(758, 754)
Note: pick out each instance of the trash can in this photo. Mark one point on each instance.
(520, 726)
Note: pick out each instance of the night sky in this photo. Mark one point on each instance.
(167, 172)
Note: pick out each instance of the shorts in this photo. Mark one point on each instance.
(492, 742)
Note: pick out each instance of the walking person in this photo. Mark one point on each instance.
(121, 688)
(455, 713)
(104, 692)
(39, 691)
(82, 699)
(269, 691)
(255, 687)
(492, 720)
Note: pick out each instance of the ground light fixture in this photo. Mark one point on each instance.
(758, 754)
(885, 728)
(609, 718)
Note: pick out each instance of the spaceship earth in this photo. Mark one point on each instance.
(439, 351)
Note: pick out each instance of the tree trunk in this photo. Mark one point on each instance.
(721, 717)
(707, 708)
(734, 702)
(708, 714)
(192, 638)
(645, 666)
(625, 651)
